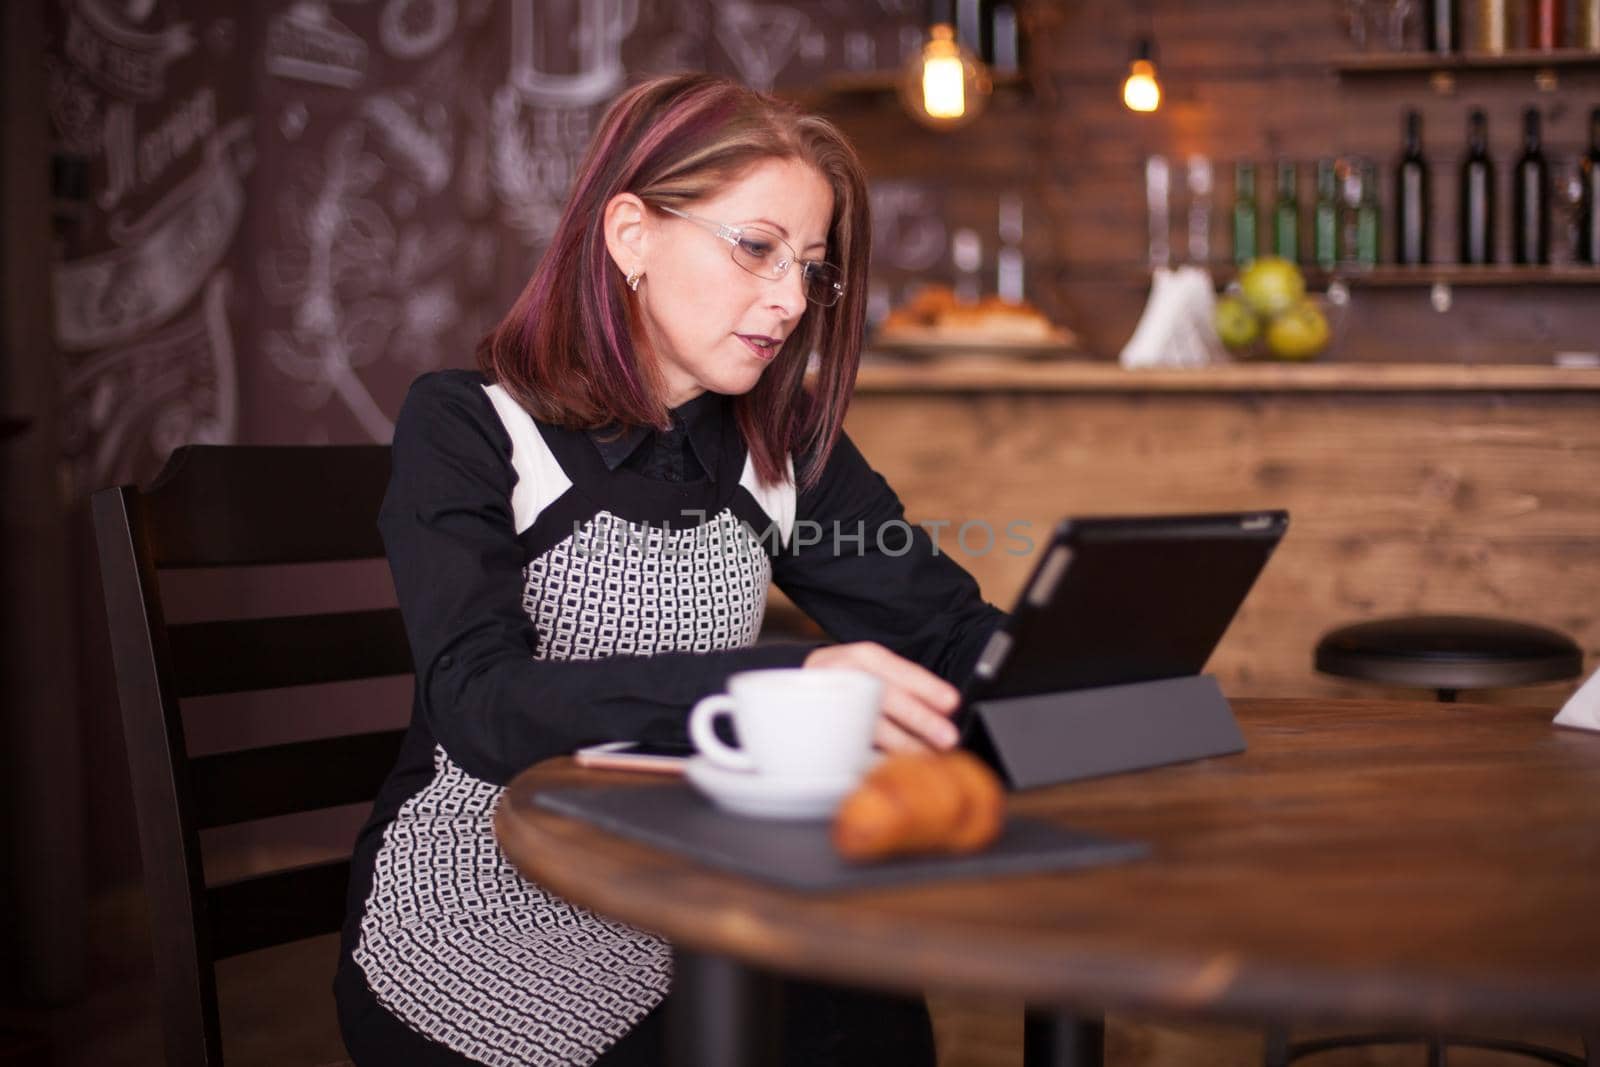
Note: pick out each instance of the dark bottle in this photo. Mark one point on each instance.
(1441, 24)
(1477, 194)
(1244, 213)
(1530, 229)
(1589, 206)
(1411, 198)
(1544, 24)
(1286, 213)
(1325, 217)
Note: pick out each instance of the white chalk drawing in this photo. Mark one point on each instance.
(128, 408)
(813, 48)
(108, 42)
(360, 290)
(421, 143)
(568, 53)
(118, 133)
(294, 119)
(306, 44)
(531, 170)
(192, 122)
(165, 255)
(907, 225)
(410, 29)
(188, 125)
(74, 108)
(761, 39)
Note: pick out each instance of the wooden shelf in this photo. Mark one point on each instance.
(1431, 62)
(1390, 276)
(957, 375)
(1393, 277)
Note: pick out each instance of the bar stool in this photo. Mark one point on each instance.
(1449, 653)
(1445, 653)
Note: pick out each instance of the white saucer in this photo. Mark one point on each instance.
(748, 793)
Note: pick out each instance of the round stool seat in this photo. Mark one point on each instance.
(1449, 652)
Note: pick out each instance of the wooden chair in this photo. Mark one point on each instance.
(236, 506)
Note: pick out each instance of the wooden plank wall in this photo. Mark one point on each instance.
(1478, 503)
(1244, 79)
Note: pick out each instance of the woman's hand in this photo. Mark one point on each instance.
(917, 704)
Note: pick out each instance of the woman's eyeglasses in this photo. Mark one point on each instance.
(762, 253)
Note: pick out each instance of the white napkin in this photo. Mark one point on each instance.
(1177, 327)
(1583, 710)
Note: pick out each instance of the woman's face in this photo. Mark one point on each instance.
(710, 324)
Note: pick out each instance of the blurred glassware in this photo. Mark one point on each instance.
(1566, 180)
(1354, 15)
(1396, 17)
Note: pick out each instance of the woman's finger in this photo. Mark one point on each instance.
(929, 725)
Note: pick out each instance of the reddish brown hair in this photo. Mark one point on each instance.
(565, 350)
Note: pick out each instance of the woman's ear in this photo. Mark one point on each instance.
(627, 226)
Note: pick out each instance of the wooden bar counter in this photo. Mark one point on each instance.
(1412, 487)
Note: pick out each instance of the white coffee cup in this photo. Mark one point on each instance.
(796, 724)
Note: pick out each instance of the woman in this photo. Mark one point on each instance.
(582, 536)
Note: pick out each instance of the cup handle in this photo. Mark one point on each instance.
(702, 731)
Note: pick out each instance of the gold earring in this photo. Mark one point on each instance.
(633, 279)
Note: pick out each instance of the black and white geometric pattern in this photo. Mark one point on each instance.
(453, 940)
(621, 588)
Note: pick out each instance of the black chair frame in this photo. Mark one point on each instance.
(238, 506)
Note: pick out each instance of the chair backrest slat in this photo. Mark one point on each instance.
(227, 506)
(275, 908)
(244, 655)
(262, 783)
(234, 505)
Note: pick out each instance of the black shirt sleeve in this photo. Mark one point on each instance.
(450, 535)
(865, 574)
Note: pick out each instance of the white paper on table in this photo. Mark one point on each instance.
(1583, 710)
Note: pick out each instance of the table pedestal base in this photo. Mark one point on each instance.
(721, 1013)
(1059, 1039)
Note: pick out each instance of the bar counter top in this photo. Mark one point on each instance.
(882, 374)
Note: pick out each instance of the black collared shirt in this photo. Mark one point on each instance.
(685, 452)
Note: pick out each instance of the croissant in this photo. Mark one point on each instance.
(924, 802)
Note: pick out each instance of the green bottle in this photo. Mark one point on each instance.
(1286, 213)
(1367, 217)
(1325, 217)
(1244, 213)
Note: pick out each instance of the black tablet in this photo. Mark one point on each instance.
(1120, 600)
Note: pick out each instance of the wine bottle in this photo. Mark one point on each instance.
(1477, 194)
(1589, 206)
(1442, 26)
(1286, 213)
(1544, 24)
(1411, 197)
(1588, 25)
(1367, 216)
(1244, 213)
(1531, 197)
(1492, 26)
(1325, 217)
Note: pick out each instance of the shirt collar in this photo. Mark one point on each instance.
(701, 418)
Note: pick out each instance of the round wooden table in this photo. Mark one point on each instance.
(1364, 862)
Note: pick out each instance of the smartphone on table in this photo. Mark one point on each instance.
(656, 757)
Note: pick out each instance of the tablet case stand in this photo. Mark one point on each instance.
(1085, 733)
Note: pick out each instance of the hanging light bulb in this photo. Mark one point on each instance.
(1140, 90)
(945, 86)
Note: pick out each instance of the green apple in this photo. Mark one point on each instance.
(1299, 333)
(1272, 285)
(1237, 325)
